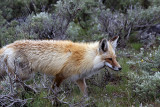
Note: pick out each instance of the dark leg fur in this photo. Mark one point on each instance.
(58, 80)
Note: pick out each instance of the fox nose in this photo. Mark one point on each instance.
(120, 68)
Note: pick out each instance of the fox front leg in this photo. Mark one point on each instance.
(58, 80)
(82, 86)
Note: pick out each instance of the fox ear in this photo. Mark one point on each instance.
(114, 41)
(103, 46)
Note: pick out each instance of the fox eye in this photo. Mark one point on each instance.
(110, 59)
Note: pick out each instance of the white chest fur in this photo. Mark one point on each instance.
(97, 65)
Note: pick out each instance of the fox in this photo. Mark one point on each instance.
(62, 59)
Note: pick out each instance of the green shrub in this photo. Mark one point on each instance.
(12, 9)
(76, 33)
(141, 16)
(151, 63)
(37, 26)
(155, 2)
(145, 83)
(2, 19)
(85, 27)
(8, 33)
(145, 86)
(120, 5)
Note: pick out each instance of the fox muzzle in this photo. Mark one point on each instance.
(115, 68)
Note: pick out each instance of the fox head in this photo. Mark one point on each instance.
(107, 51)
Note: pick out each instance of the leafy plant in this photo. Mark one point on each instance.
(145, 83)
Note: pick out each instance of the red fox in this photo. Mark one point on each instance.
(62, 59)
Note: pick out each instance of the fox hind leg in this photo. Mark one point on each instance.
(22, 66)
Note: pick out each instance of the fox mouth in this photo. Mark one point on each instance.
(115, 69)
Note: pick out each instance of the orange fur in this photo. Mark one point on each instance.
(62, 59)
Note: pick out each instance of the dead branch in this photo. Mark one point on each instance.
(11, 100)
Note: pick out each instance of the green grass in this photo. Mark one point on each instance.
(136, 46)
(38, 100)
